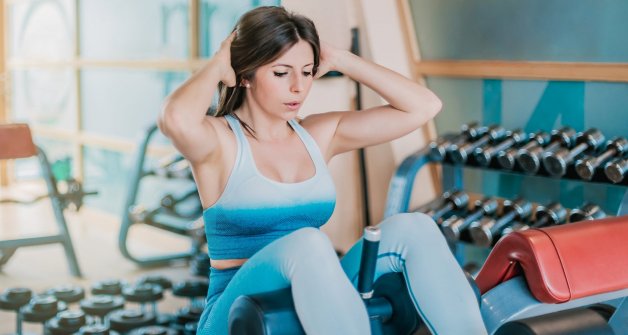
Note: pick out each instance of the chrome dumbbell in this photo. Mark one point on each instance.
(468, 132)
(588, 211)
(485, 231)
(460, 154)
(453, 226)
(484, 156)
(530, 159)
(617, 147)
(589, 141)
(507, 158)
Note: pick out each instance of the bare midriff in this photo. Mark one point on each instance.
(222, 264)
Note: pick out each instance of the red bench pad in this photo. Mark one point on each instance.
(564, 262)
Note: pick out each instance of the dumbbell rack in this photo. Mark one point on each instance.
(401, 184)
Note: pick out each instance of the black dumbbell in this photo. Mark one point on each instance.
(96, 330)
(453, 226)
(199, 266)
(154, 330)
(144, 294)
(586, 167)
(42, 308)
(616, 170)
(507, 158)
(160, 280)
(125, 320)
(66, 323)
(468, 132)
(588, 211)
(108, 287)
(529, 159)
(587, 142)
(67, 293)
(98, 306)
(460, 154)
(452, 200)
(13, 299)
(483, 232)
(484, 156)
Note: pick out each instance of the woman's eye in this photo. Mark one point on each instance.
(307, 74)
(280, 74)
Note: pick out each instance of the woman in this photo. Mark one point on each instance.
(263, 180)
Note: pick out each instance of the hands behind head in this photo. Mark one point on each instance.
(222, 59)
(327, 60)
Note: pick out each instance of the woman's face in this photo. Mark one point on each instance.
(281, 86)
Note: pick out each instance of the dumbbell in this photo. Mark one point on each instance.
(588, 211)
(440, 147)
(199, 266)
(98, 306)
(484, 156)
(144, 294)
(154, 330)
(67, 293)
(125, 320)
(66, 323)
(616, 170)
(483, 232)
(552, 214)
(97, 330)
(196, 291)
(530, 158)
(453, 226)
(108, 287)
(13, 299)
(42, 308)
(506, 158)
(459, 154)
(452, 201)
(588, 142)
(586, 167)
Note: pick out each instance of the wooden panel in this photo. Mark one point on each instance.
(607, 72)
(192, 64)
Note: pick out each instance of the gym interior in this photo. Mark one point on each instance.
(525, 169)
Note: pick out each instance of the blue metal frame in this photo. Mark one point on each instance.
(512, 300)
(127, 222)
(8, 247)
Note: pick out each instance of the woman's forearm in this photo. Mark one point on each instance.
(399, 91)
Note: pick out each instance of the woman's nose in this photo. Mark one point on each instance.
(297, 83)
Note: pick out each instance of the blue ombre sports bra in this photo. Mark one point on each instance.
(254, 210)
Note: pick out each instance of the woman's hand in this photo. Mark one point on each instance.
(327, 60)
(222, 59)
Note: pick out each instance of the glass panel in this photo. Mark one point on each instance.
(535, 105)
(559, 30)
(217, 18)
(59, 154)
(44, 97)
(41, 29)
(138, 29)
(112, 109)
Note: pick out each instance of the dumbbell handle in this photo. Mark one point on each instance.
(586, 168)
(443, 210)
(452, 228)
(486, 155)
(554, 213)
(370, 246)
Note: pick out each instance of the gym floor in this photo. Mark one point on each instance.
(95, 238)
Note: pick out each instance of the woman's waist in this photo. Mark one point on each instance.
(227, 264)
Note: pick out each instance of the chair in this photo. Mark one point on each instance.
(16, 142)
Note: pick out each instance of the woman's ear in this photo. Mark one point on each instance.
(245, 83)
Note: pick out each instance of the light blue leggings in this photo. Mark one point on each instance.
(323, 288)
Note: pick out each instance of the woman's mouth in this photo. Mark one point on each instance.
(293, 105)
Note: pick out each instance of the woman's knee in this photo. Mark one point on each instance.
(410, 225)
(311, 241)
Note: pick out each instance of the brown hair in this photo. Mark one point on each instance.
(263, 35)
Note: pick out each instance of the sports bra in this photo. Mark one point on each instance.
(254, 210)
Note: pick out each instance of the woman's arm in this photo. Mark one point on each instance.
(183, 118)
(410, 104)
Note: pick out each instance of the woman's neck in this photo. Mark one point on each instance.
(267, 128)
